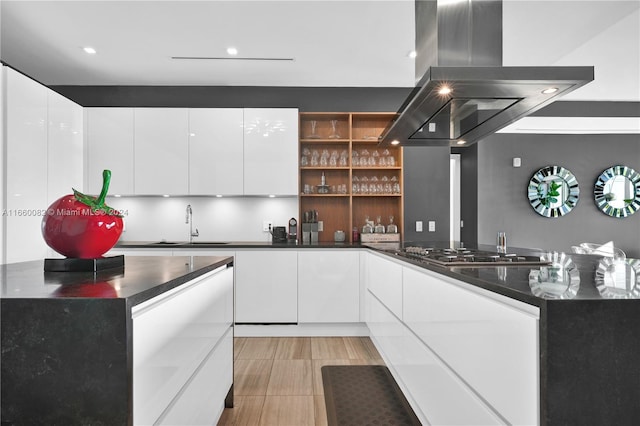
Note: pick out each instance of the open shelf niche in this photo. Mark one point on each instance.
(361, 179)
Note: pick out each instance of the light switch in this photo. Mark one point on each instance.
(432, 226)
(418, 226)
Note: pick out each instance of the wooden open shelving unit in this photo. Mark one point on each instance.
(348, 134)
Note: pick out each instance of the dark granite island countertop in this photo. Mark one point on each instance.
(67, 337)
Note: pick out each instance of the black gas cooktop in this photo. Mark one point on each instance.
(466, 257)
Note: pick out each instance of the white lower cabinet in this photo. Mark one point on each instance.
(437, 396)
(462, 355)
(200, 402)
(266, 286)
(328, 286)
(491, 344)
(384, 279)
(183, 352)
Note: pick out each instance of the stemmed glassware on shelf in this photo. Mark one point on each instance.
(313, 134)
(334, 130)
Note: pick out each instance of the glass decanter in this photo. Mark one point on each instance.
(379, 229)
(313, 134)
(392, 228)
(334, 130)
(368, 226)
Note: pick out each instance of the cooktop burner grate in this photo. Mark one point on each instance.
(467, 257)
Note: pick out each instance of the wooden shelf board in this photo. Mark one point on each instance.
(324, 141)
(324, 168)
(324, 195)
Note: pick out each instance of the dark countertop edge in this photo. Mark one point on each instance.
(234, 245)
(159, 289)
(476, 282)
(450, 272)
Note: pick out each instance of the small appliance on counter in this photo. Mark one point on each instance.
(279, 234)
(310, 227)
(293, 230)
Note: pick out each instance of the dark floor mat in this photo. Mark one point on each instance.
(362, 395)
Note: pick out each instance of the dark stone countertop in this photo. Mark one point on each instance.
(510, 281)
(142, 278)
(514, 281)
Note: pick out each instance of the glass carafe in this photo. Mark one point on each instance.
(368, 226)
(392, 228)
(379, 229)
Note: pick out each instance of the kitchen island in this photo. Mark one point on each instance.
(479, 344)
(550, 344)
(148, 343)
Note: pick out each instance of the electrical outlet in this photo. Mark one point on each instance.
(432, 226)
(320, 226)
(418, 226)
(266, 225)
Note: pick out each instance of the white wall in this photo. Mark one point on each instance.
(217, 219)
(600, 33)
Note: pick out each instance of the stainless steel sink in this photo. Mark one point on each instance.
(166, 243)
(209, 242)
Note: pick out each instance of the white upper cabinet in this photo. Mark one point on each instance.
(161, 151)
(215, 151)
(26, 167)
(109, 135)
(65, 142)
(270, 151)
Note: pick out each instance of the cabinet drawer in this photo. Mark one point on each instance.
(202, 400)
(434, 392)
(385, 281)
(172, 335)
(491, 345)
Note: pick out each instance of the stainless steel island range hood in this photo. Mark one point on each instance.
(464, 93)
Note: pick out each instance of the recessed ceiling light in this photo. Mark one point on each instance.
(412, 54)
(461, 142)
(444, 90)
(218, 196)
(395, 142)
(89, 50)
(550, 90)
(272, 196)
(166, 195)
(232, 51)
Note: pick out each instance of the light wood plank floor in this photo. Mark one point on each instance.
(278, 381)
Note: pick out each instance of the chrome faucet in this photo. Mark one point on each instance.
(189, 220)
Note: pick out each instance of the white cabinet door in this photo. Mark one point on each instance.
(384, 280)
(270, 151)
(26, 167)
(266, 286)
(174, 336)
(436, 395)
(216, 151)
(65, 147)
(491, 345)
(328, 286)
(109, 136)
(161, 151)
(202, 401)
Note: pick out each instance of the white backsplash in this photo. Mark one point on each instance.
(217, 219)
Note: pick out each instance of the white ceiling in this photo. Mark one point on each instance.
(362, 43)
(333, 43)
